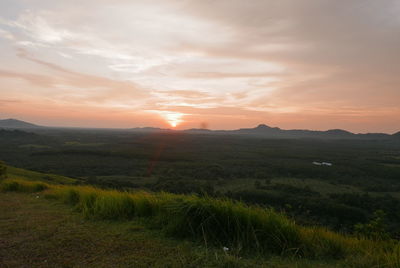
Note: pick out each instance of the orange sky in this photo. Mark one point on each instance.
(316, 64)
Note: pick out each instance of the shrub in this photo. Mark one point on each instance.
(22, 186)
(375, 228)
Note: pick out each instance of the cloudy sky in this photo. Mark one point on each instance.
(315, 64)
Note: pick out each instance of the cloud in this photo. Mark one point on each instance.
(38, 80)
(36, 26)
(345, 59)
(6, 35)
(202, 75)
(67, 84)
(6, 102)
(262, 59)
(190, 94)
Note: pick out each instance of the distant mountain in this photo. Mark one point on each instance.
(339, 132)
(262, 128)
(262, 131)
(265, 131)
(14, 123)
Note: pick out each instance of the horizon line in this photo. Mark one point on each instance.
(199, 129)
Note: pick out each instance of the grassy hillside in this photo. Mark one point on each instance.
(216, 223)
(19, 173)
(38, 233)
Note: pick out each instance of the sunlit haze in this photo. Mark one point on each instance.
(315, 64)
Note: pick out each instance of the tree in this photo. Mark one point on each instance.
(3, 170)
(257, 184)
(375, 228)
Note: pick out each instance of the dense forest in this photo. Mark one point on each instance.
(358, 185)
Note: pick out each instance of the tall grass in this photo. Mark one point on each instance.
(22, 186)
(220, 222)
(231, 224)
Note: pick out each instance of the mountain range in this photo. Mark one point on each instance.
(261, 130)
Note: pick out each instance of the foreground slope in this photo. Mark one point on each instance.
(248, 231)
(37, 233)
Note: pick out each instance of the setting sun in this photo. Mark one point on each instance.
(173, 118)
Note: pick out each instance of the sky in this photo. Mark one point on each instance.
(218, 64)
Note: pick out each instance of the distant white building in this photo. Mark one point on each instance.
(322, 164)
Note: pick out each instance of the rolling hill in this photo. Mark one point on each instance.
(14, 123)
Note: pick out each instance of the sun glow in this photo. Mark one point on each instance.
(173, 118)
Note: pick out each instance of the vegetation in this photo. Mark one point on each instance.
(375, 229)
(220, 222)
(251, 195)
(19, 173)
(19, 186)
(267, 172)
(37, 233)
(3, 170)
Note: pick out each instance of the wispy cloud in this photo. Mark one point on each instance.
(265, 60)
